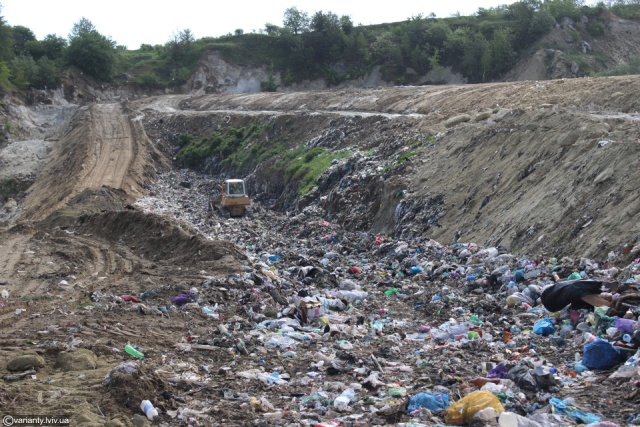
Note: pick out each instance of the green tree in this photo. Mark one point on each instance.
(180, 46)
(476, 58)
(24, 71)
(6, 41)
(437, 33)
(83, 26)
(385, 50)
(90, 51)
(357, 50)
(295, 20)
(180, 76)
(21, 36)
(419, 59)
(522, 14)
(502, 53)
(563, 8)
(5, 75)
(437, 72)
(271, 29)
(52, 46)
(326, 38)
(540, 25)
(346, 24)
(455, 44)
(48, 74)
(187, 37)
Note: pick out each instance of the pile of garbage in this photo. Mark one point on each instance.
(326, 327)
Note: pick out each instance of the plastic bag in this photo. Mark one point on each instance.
(626, 326)
(544, 327)
(462, 411)
(525, 378)
(601, 354)
(560, 407)
(510, 419)
(435, 402)
(499, 371)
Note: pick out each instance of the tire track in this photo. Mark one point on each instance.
(113, 152)
(103, 148)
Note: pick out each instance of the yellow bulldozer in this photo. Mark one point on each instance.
(233, 198)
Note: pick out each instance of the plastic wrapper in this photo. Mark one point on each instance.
(462, 411)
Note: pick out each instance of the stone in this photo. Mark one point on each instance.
(77, 360)
(87, 419)
(482, 116)
(140, 420)
(24, 362)
(457, 120)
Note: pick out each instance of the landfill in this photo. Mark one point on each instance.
(127, 298)
(326, 327)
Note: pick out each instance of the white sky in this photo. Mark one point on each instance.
(134, 22)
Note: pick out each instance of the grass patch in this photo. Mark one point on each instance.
(306, 167)
(632, 67)
(226, 144)
(406, 156)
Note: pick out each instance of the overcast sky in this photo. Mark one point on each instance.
(134, 22)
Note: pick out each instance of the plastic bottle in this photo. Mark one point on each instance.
(351, 296)
(589, 337)
(148, 409)
(211, 312)
(133, 352)
(344, 399)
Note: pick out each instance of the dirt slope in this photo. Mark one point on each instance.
(101, 148)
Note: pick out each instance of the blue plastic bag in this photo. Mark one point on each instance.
(544, 327)
(435, 402)
(601, 354)
(560, 407)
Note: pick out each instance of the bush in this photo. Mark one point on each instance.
(91, 52)
(596, 29)
(632, 67)
(148, 80)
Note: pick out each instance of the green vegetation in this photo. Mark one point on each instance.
(305, 166)
(483, 47)
(406, 156)
(626, 9)
(13, 188)
(90, 51)
(240, 150)
(632, 67)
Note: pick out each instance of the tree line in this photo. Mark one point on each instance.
(482, 47)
